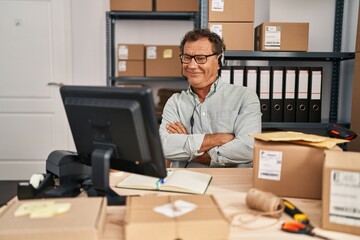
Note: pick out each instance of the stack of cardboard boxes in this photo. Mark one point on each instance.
(233, 20)
(138, 60)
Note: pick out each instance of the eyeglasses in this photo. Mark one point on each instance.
(199, 59)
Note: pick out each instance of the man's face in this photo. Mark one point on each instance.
(200, 75)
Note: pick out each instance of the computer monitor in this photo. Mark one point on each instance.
(114, 128)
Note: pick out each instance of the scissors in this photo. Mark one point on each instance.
(301, 228)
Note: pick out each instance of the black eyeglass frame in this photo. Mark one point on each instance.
(194, 57)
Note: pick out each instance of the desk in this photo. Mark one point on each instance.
(229, 186)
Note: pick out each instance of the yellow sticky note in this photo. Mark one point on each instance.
(33, 207)
(42, 209)
(168, 53)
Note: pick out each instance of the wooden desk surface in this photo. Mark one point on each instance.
(229, 186)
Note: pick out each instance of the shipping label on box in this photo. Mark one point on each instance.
(341, 192)
(344, 197)
(270, 165)
(272, 37)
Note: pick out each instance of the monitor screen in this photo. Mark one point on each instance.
(114, 128)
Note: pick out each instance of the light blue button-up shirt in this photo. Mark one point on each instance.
(227, 108)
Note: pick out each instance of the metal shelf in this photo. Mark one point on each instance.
(289, 56)
(154, 15)
(143, 80)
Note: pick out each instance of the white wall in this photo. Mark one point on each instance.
(89, 55)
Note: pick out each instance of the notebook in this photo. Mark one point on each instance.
(182, 181)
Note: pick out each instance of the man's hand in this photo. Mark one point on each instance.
(176, 128)
(214, 140)
(204, 159)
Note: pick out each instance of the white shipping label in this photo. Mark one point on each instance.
(216, 29)
(123, 52)
(151, 52)
(122, 66)
(270, 163)
(217, 5)
(272, 37)
(344, 201)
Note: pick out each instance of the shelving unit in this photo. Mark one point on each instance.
(112, 17)
(334, 57)
(200, 20)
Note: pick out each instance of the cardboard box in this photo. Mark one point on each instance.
(282, 36)
(131, 52)
(162, 61)
(205, 221)
(341, 192)
(84, 220)
(231, 11)
(177, 5)
(236, 35)
(131, 5)
(288, 170)
(130, 68)
(354, 145)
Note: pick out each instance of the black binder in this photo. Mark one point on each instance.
(277, 94)
(289, 94)
(315, 94)
(251, 79)
(238, 75)
(225, 74)
(302, 94)
(264, 92)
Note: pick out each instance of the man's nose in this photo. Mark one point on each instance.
(192, 63)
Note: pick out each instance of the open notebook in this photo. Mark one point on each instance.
(183, 181)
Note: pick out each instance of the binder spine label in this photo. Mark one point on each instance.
(316, 85)
(278, 85)
(290, 84)
(303, 84)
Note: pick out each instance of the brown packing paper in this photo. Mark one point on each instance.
(300, 138)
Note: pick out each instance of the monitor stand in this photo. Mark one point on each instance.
(100, 165)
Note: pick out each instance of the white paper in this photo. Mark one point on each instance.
(123, 52)
(272, 37)
(344, 201)
(122, 66)
(151, 52)
(270, 163)
(216, 28)
(217, 6)
(175, 209)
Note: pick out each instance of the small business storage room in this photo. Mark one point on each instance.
(83, 88)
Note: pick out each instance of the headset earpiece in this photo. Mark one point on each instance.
(221, 59)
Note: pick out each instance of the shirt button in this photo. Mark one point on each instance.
(203, 113)
(218, 153)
